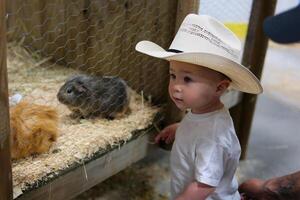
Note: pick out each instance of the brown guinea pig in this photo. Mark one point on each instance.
(33, 129)
(95, 96)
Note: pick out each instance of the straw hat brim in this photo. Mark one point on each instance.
(242, 79)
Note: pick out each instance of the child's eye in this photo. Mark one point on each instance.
(187, 79)
(172, 76)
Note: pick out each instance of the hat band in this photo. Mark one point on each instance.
(174, 50)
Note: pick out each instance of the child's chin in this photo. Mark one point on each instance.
(181, 107)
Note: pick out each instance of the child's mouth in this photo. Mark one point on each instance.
(178, 100)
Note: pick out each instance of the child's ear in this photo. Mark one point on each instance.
(222, 86)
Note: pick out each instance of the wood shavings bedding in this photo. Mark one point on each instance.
(38, 82)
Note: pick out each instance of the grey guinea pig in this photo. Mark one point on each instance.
(95, 96)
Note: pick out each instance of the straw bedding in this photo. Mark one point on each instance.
(38, 81)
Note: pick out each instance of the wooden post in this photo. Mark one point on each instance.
(5, 169)
(184, 7)
(253, 57)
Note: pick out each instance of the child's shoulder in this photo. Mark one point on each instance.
(220, 120)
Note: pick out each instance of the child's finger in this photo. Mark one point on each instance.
(159, 136)
(169, 139)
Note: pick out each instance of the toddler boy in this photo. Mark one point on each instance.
(203, 65)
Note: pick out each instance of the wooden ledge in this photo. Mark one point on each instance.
(85, 176)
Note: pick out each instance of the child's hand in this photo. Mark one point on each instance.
(167, 134)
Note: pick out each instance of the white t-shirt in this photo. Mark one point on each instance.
(206, 150)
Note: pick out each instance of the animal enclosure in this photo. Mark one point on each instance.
(50, 41)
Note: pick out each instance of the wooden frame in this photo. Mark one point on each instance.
(5, 171)
(254, 55)
(184, 7)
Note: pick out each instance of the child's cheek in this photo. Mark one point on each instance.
(171, 88)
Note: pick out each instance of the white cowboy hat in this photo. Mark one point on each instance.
(202, 40)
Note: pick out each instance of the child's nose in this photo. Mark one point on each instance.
(177, 88)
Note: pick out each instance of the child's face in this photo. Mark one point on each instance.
(193, 86)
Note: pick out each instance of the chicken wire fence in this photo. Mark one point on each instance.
(50, 45)
(81, 54)
(234, 14)
(96, 37)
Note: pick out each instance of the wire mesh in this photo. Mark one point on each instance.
(234, 14)
(97, 37)
(51, 43)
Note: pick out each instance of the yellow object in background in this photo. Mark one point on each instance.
(240, 29)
